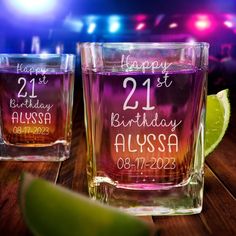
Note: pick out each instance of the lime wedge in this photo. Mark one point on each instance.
(217, 119)
(49, 210)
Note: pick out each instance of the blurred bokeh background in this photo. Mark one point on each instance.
(58, 26)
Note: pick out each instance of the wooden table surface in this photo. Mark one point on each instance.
(219, 211)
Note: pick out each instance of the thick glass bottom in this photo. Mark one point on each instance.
(58, 151)
(170, 200)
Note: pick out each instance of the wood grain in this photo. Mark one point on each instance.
(223, 162)
(181, 225)
(219, 209)
(73, 171)
(217, 218)
(11, 222)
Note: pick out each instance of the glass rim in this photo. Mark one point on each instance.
(148, 44)
(36, 55)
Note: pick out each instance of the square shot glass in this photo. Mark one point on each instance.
(36, 98)
(145, 117)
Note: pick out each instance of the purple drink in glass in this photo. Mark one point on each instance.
(144, 115)
(35, 107)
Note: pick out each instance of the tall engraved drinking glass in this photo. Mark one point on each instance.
(36, 92)
(145, 115)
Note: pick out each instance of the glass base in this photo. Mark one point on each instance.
(58, 151)
(172, 200)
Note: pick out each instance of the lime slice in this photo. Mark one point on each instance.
(217, 119)
(53, 210)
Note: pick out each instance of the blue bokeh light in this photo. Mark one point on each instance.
(114, 27)
(114, 24)
(32, 7)
(91, 28)
(74, 24)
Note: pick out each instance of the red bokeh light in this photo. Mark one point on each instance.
(140, 17)
(228, 24)
(202, 23)
(173, 25)
(140, 26)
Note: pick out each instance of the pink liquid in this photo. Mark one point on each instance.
(144, 131)
(35, 110)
